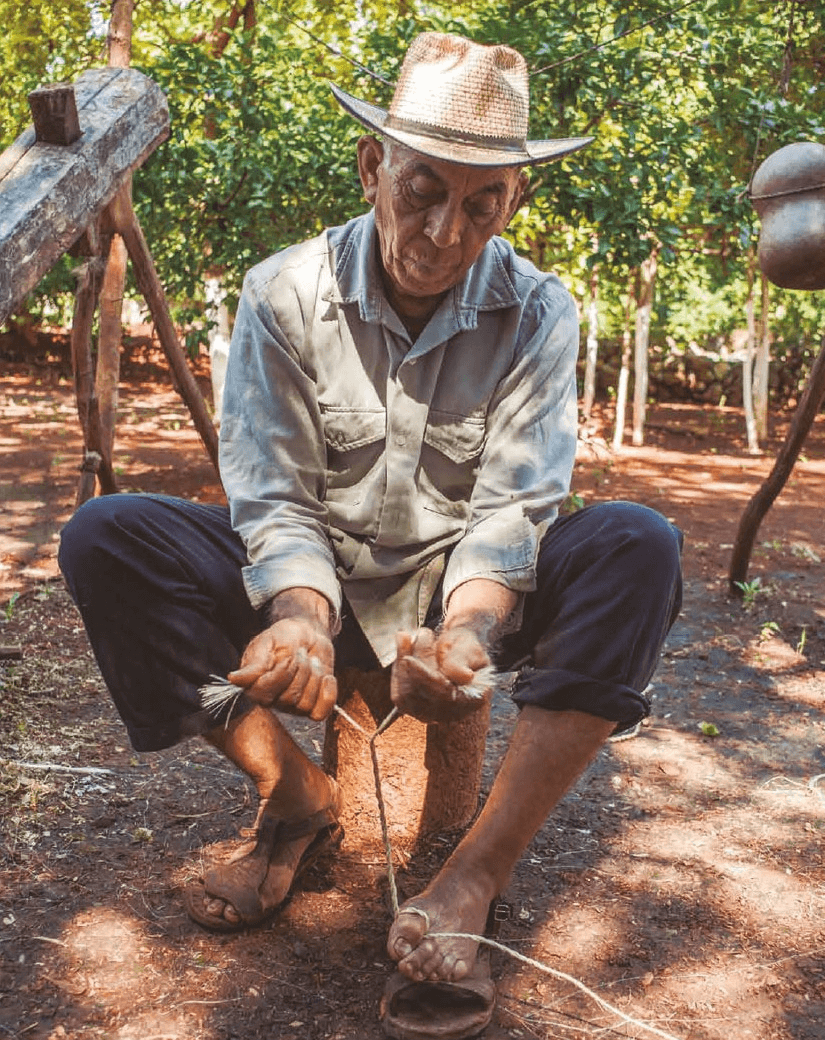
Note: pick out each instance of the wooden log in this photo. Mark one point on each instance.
(50, 193)
(110, 336)
(430, 775)
(812, 400)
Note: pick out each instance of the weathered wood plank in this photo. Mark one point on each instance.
(50, 193)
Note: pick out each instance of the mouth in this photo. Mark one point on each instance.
(429, 267)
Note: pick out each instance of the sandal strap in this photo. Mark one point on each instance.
(273, 830)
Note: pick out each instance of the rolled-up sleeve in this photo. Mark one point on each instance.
(530, 448)
(272, 452)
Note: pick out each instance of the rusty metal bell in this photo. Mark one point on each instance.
(788, 193)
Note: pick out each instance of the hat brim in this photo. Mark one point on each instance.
(533, 153)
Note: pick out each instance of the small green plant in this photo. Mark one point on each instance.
(573, 503)
(708, 729)
(8, 610)
(770, 628)
(750, 590)
(803, 639)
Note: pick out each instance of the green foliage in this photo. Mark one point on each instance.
(43, 42)
(683, 105)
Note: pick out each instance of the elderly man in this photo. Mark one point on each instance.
(399, 429)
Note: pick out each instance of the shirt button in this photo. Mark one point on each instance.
(400, 439)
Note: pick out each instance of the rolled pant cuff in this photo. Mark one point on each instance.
(558, 690)
(162, 735)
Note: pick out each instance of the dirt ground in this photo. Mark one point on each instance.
(682, 880)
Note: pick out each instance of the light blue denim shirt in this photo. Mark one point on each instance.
(355, 458)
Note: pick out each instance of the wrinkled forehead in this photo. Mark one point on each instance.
(403, 162)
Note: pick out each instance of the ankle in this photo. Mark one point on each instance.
(472, 877)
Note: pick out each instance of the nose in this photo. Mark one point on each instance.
(445, 224)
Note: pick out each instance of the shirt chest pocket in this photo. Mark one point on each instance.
(449, 459)
(355, 440)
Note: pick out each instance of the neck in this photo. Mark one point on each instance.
(414, 311)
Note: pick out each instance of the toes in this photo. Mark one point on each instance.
(409, 928)
(220, 908)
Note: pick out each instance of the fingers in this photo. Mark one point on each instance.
(288, 667)
(460, 655)
(262, 683)
(327, 697)
(431, 671)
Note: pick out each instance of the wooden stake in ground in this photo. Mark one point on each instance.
(107, 375)
(52, 197)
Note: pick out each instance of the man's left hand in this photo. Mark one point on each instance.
(431, 674)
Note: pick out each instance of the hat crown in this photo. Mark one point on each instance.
(452, 86)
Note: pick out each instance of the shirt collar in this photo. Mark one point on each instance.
(487, 285)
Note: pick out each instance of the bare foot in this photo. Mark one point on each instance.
(452, 902)
(250, 886)
(271, 892)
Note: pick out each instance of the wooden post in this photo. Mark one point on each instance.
(430, 775)
(126, 223)
(54, 113)
(49, 195)
(110, 332)
(95, 460)
(812, 400)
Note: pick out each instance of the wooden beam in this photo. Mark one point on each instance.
(50, 193)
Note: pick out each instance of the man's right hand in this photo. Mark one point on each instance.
(289, 666)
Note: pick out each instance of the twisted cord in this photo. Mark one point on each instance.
(219, 692)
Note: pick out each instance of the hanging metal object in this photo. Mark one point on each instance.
(788, 193)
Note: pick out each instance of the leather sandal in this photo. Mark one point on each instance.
(444, 1010)
(242, 882)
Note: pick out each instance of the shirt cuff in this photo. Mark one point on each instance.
(264, 580)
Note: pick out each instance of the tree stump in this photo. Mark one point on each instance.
(430, 774)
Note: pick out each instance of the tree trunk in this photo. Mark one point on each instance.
(592, 350)
(222, 33)
(624, 372)
(747, 360)
(430, 775)
(762, 365)
(640, 370)
(114, 279)
(803, 420)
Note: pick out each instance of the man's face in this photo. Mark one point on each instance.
(433, 217)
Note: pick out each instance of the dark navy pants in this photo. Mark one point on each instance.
(158, 584)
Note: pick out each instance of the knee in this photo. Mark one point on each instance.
(640, 534)
(93, 529)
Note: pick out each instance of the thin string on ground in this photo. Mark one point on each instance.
(563, 976)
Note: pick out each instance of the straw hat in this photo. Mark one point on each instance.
(462, 102)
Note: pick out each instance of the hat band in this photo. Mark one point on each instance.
(410, 126)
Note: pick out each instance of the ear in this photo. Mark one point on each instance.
(370, 156)
(518, 193)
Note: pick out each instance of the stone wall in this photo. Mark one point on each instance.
(704, 376)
